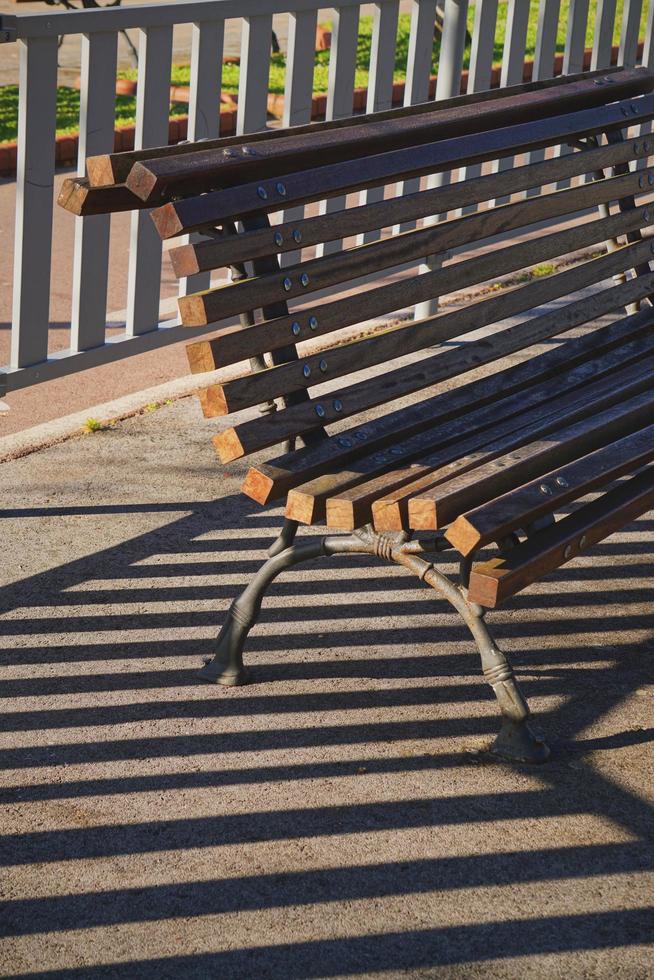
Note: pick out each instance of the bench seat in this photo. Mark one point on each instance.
(518, 419)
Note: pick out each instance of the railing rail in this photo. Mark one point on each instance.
(37, 34)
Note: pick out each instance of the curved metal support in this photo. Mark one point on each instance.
(285, 538)
(226, 667)
(516, 741)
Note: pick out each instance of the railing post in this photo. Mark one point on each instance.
(91, 259)
(629, 32)
(340, 95)
(252, 111)
(481, 64)
(153, 99)
(37, 119)
(298, 90)
(448, 84)
(380, 82)
(603, 34)
(204, 109)
(546, 31)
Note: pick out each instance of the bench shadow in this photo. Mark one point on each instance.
(85, 612)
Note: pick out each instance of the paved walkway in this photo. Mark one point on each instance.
(337, 817)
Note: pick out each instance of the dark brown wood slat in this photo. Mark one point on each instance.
(341, 267)
(439, 506)
(109, 168)
(215, 207)
(494, 581)
(545, 408)
(409, 338)
(260, 433)
(250, 390)
(234, 345)
(394, 510)
(521, 507)
(208, 168)
(187, 260)
(79, 198)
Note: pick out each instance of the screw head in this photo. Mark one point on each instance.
(637, 147)
(562, 482)
(306, 371)
(313, 322)
(634, 110)
(278, 238)
(545, 489)
(281, 189)
(582, 541)
(568, 551)
(361, 435)
(263, 194)
(646, 147)
(304, 279)
(320, 411)
(396, 451)
(338, 405)
(650, 179)
(645, 215)
(249, 151)
(297, 236)
(323, 365)
(287, 284)
(625, 111)
(345, 443)
(295, 328)
(641, 181)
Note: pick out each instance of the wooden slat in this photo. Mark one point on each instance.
(249, 294)
(440, 506)
(230, 347)
(231, 396)
(113, 168)
(77, 196)
(496, 580)
(300, 187)
(272, 479)
(205, 169)
(397, 341)
(521, 507)
(189, 259)
(262, 432)
(542, 408)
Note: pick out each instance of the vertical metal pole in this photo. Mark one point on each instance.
(152, 106)
(380, 84)
(418, 70)
(448, 84)
(342, 66)
(513, 62)
(629, 32)
(37, 113)
(204, 109)
(575, 41)
(252, 111)
(603, 34)
(91, 258)
(546, 31)
(298, 90)
(481, 65)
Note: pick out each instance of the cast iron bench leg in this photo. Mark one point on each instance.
(515, 742)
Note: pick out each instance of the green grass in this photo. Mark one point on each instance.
(68, 99)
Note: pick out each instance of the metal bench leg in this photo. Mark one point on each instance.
(226, 667)
(516, 741)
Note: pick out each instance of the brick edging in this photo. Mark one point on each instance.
(66, 147)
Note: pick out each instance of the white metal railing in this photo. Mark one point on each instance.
(37, 36)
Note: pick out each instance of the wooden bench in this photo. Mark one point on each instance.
(440, 443)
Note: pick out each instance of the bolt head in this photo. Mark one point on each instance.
(646, 147)
(650, 179)
(297, 236)
(249, 151)
(304, 279)
(345, 443)
(641, 181)
(634, 110)
(281, 189)
(568, 551)
(295, 328)
(320, 411)
(306, 371)
(287, 284)
(625, 111)
(645, 215)
(263, 194)
(582, 541)
(278, 238)
(323, 365)
(562, 482)
(313, 322)
(545, 489)
(338, 405)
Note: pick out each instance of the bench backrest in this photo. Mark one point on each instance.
(237, 183)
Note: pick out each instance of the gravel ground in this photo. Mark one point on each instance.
(338, 816)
